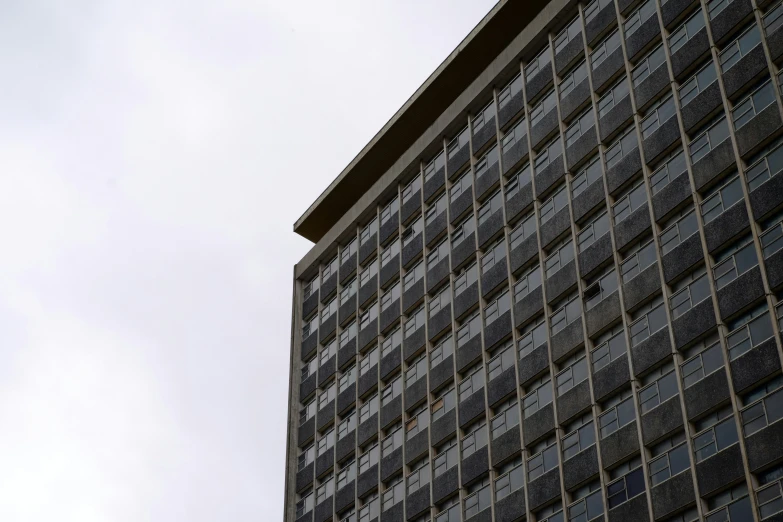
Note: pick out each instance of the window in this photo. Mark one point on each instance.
(329, 269)
(347, 474)
(734, 262)
(346, 426)
(554, 204)
(420, 477)
(721, 434)
(640, 257)
(748, 331)
(462, 185)
(488, 160)
(462, 139)
(566, 314)
(466, 278)
(574, 78)
(327, 396)
(630, 202)
(483, 117)
(670, 169)
(442, 350)
(569, 32)
(306, 457)
(368, 316)
(659, 391)
(697, 83)
(575, 374)
(370, 271)
(438, 253)
(391, 296)
(648, 65)
(416, 370)
(615, 95)
(538, 398)
(440, 301)
(768, 409)
(772, 239)
(462, 231)
(722, 198)
(305, 505)
(702, 364)
(517, 180)
(469, 329)
(770, 498)
(368, 232)
(450, 513)
(588, 504)
(547, 104)
(413, 276)
(581, 125)
(732, 506)
(621, 147)
(739, 47)
(657, 115)
(413, 231)
(716, 133)
(309, 368)
(686, 297)
(753, 104)
(539, 62)
(553, 512)
(527, 283)
(559, 258)
(418, 421)
(586, 177)
(601, 289)
(310, 327)
(368, 459)
(533, 336)
(329, 310)
(348, 334)
(324, 491)
(370, 509)
(479, 498)
(593, 8)
(675, 460)
(349, 250)
(625, 488)
(580, 435)
(446, 458)
(514, 136)
(543, 461)
(764, 165)
(715, 7)
(472, 383)
(616, 416)
(368, 409)
(549, 154)
(492, 205)
(690, 515)
(311, 287)
(681, 230)
(511, 478)
(444, 403)
(497, 307)
(389, 252)
(525, 228)
(475, 440)
(434, 166)
(506, 419)
(593, 231)
(638, 17)
(393, 494)
(393, 389)
(652, 321)
(609, 349)
(686, 31)
(513, 88)
(389, 210)
(773, 19)
(501, 361)
(414, 322)
(369, 361)
(348, 290)
(604, 49)
(326, 442)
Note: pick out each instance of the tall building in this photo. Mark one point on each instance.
(549, 289)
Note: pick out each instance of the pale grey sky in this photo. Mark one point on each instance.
(154, 155)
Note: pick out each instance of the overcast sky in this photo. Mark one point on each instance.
(153, 158)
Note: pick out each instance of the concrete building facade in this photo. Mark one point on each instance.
(551, 287)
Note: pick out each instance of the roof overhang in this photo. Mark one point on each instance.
(498, 28)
